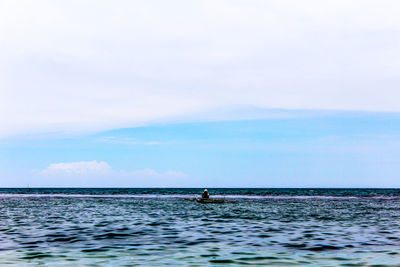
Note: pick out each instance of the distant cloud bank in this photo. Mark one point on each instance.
(101, 168)
(77, 168)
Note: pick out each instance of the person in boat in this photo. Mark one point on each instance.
(205, 194)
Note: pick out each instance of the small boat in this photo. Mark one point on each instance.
(210, 200)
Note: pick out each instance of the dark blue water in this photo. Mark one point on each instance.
(360, 192)
(327, 227)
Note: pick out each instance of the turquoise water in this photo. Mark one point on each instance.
(120, 227)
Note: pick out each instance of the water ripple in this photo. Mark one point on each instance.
(157, 231)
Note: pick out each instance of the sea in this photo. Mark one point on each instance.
(159, 226)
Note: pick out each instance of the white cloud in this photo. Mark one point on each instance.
(100, 174)
(93, 65)
(77, 168)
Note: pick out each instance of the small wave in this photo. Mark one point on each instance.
(324, 248)
(36, 255)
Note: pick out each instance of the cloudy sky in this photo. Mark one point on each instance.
(197, 93)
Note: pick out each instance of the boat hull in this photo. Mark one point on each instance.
(210, 200)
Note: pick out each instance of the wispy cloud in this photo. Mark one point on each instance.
(127, 141)
(154, 174)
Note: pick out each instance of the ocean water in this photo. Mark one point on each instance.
(153, 227)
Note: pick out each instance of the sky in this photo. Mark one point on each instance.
(199, 93)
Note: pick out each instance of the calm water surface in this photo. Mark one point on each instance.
(97, 227)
